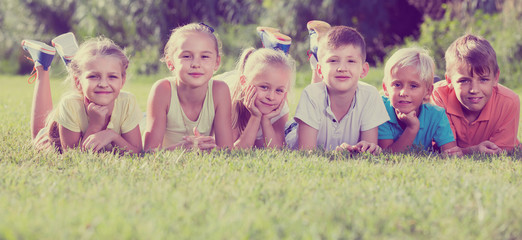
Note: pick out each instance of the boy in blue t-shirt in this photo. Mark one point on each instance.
(408, 83)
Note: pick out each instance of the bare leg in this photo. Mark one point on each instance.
(42, 101)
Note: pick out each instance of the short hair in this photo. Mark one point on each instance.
(412, 56)
(177, 33)
(472, 52)
(341, 36)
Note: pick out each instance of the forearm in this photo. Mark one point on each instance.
(248, 136)
(405, 140)
(91, 129)
(152, 141)
(120, 142)
(271, 138)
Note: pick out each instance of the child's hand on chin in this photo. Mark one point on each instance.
(410, 119)
(249, 101)
(97, 114)
(276, 111)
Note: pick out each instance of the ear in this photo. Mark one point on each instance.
(385, 90)
(429, 90)
(77, 83)
(170, 65)
(448, 80)
(319, 71)
(495, 83)
(123, 79)
(366, 69)
(218, 62)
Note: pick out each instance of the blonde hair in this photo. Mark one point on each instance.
(100, 46)
(339, 36)
(251, 63)
(415, 57)
(179, 32)
(473, 52)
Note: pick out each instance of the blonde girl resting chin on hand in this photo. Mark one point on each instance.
(97, 115)
(189, 109)
(259, 105)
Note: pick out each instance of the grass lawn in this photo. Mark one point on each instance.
(259, 194)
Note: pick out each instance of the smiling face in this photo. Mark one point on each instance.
(101, 80)
(272, 82)
(194, 60)
(406, 90)
(342, 67)
(472, 90)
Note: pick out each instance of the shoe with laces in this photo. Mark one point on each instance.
(41, 53)
(272, 38)
(316, 28)
(66, 45)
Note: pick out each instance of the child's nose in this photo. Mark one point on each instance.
(195, 62)
(270, 95)
(103, 81)
(473, 87)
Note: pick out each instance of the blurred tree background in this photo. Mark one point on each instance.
(143, 27)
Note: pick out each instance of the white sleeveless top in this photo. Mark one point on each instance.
(179, 125)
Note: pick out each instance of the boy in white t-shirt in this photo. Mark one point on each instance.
(340, 112)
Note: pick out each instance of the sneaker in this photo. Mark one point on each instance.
(66, 45)
(272, 38)
(41, 53)
(315, 29)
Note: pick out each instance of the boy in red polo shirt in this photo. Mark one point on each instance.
(483, 114)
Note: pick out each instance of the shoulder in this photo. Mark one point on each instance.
(441, 87)
(366, 87)
(219, 86)
(220, 93)
(386, 102)
(126, 96)
(506, 95)
(366, 90)
(433, 109)
(315, 90)
(71, 99)
(161, 89)
(163, 84)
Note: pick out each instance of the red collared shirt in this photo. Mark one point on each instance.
(497, 122)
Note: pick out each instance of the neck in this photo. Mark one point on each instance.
(340, 102)
(469, 115)
(191, 95)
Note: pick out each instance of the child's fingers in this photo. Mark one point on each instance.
(195, 131)
(207, 146)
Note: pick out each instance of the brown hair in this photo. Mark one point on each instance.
(473, 52)
(251, 63)
(340, 36)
